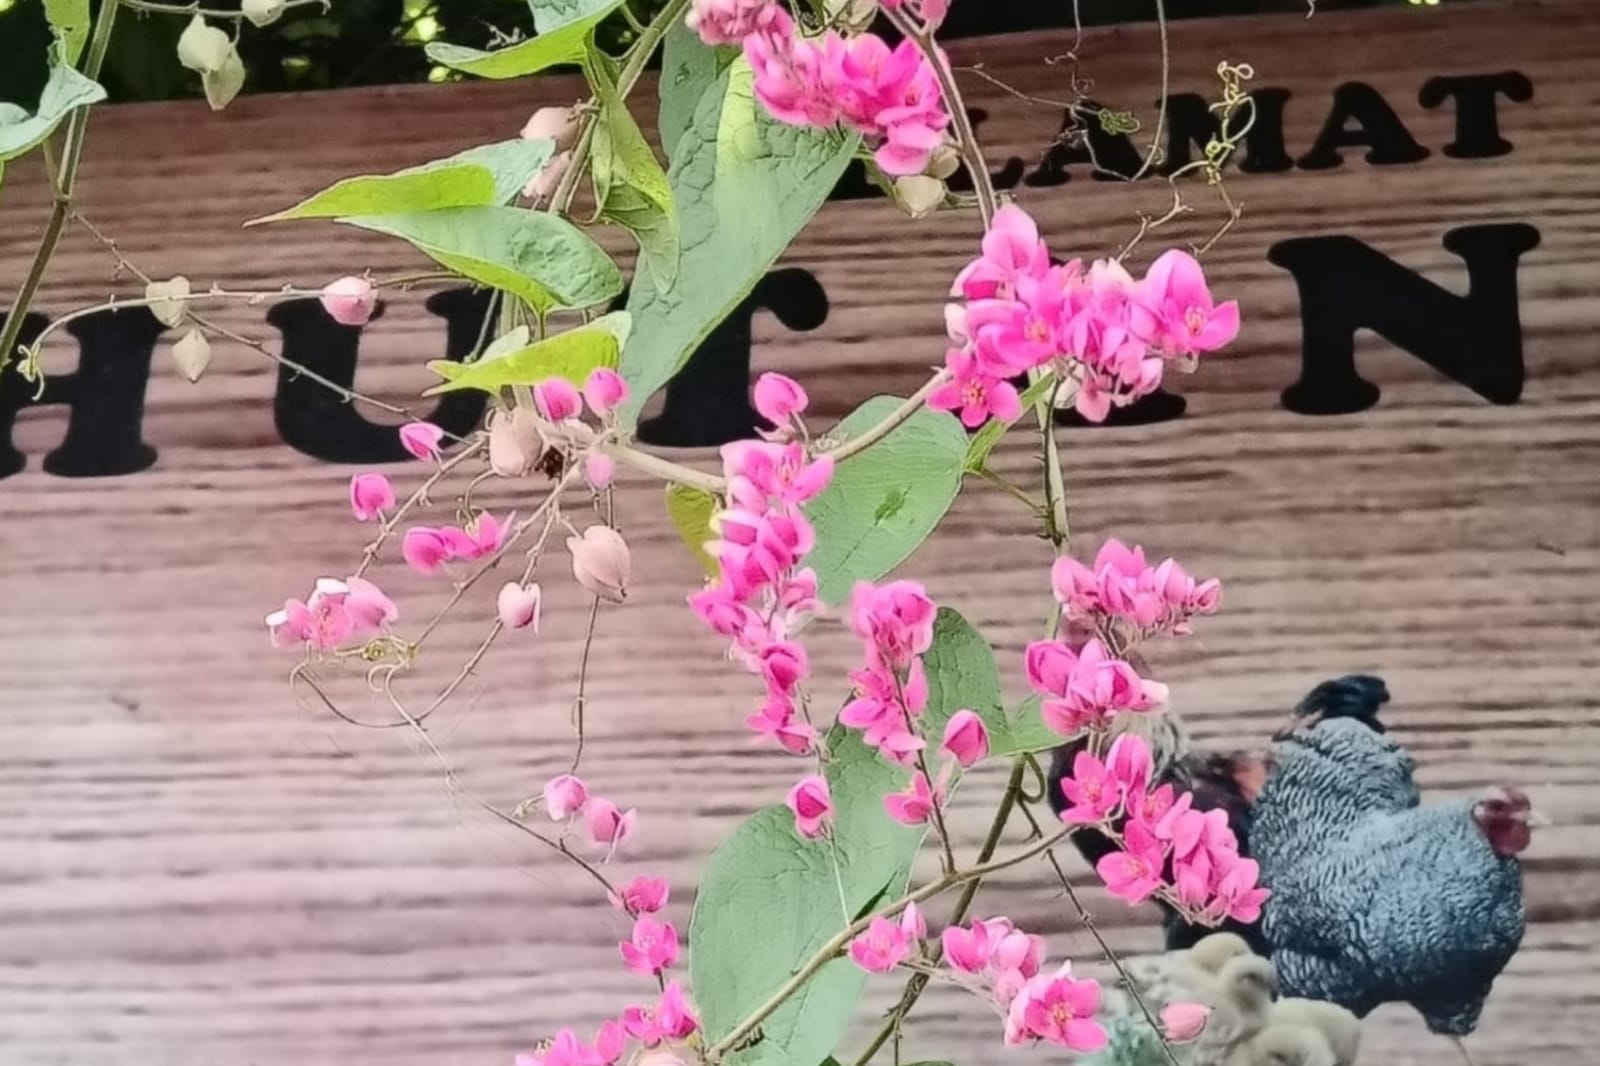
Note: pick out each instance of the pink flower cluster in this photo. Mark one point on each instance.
(566, 796)
(991, 956)
(335, 612)
(761, 593)
(889, 95)
(1084, 689)
(895, 621)
(1188, 857)
(1121, 587)
(669, 1018)
(1100, 328)
(428, 548)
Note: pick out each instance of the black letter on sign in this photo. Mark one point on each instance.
(314, 420)
(708, 401)
(1345, 286)
(1264, 151)
(104, 397)
(1477, 121)
(1085, 140)
(1192, 124)
(1379, 129)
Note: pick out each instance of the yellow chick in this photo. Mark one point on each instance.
(1339, 1027)
(1283, 1045)
(1240, 997)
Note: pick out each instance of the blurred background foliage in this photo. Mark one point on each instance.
(380, 42)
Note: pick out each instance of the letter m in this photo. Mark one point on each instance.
(1345, 286)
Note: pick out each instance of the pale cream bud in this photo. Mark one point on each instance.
(559, 124)
(203, 48)
(192, 353)
(919, 194)
(944, 161)
(601, 562)
(262, 12)
(171, 300)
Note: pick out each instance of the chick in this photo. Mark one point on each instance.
(1340, 1028)
(1283, 1045)
(1240, 999)
(1177, 976)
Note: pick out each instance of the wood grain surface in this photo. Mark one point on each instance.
(195, 870)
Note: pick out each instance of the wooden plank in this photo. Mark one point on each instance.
(195, 870)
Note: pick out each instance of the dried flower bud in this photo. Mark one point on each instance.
(601, 562)
(350, 300)
(919, 194)
(598, 469)
(544, 183)
(171, 298)
(514, 441)
(203, 48)
(852, 14)
(192, 353)
(518, 605)
(944, 161)
(558, 124)
(263, 12)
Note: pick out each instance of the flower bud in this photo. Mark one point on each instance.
(812, 806)
(421, 439)
(263, 12)
(203, 48)
(779, 398)
(565, 796)
(544, 183)
(598, 469)
(514, 441)
(1184, 1021)
(425, 549)
(171, 300)
(601, 563)
(557, 124)
(919, 194)
(966, 738)
(557, 400)
(852, 14)
(603, 389)
(349, 300)
(370, 494)
(518, 605)
(944, 161)
(192, 353)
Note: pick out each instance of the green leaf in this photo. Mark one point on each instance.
(962, 675)
(630, 187)
(984, 441)
(65, 92)
(571, 355)
(744, 185)
(768, 900)
(690, 510)
(71, 21)
(883, 503)
(532, 254)
(559, 42)
(490, 175)
(551, 15)
(689, 67)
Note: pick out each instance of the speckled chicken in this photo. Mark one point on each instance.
(1377, 897)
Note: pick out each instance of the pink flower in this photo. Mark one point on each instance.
(421, 439)
(1184, 1021)
(1016, 959)
(642, 895)
(558, 124)
(370, 495)
(812, 805)
(1174, 310)
(601, 562)
(609, 1043)
(670, 1019)
(1134, 873)
(966, 738)
(1057, 1009)
(1011, 250)
(603, 390)
(916, 805)
(896, 619)
(349, 301)
(426, 549)
(1093, 793)
(565, 1050)
(369, 609)
(779, 399)
(727, 21)
(1091, 686)
(777, 720)
(1129, 764)
(887, 944)
(784, 665)
(608, 827)
(977, 395)
(598, 469)
(1238, 894)
(557, 400)
(764, 472)
(564, 796)
(970, 949)
(518, 605)
(653, 948)
(323, 622)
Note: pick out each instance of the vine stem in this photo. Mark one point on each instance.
(61, 205)
(837, 942)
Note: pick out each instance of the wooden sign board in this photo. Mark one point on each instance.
(197, 870)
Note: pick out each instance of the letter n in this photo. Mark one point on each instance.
(1345, 286)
